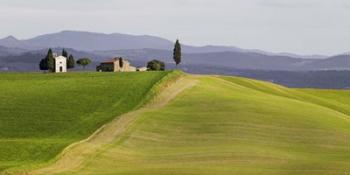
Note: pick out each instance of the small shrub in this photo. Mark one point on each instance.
(155, 65)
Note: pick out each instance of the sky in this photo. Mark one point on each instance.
(296, 26)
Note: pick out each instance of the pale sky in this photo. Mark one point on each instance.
(298, 26)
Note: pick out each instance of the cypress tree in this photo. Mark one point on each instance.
(177, 53)
(50, 61)
(70, 62)
(64, 53)
(43, 64)
(121, 62)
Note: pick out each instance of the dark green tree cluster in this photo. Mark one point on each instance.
(64, 53)
(84, 62)
(155, 65)
(70, 62)
(48, 63)
(43, 65)
(70, 59)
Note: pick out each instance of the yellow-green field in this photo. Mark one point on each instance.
(41, 114)
(227, 126)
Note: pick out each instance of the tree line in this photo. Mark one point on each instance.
(48, 63)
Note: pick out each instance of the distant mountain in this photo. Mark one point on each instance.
(89, 41)
(301, 56)
(339, 62)
(5, 51)
(10, 41)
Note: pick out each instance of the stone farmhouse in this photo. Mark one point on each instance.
(118, 64)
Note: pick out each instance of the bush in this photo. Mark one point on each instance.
(84, 62)
(98, 68)
(155, 65)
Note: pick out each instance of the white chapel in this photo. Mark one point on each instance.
(60, 64)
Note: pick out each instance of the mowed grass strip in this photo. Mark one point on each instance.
(41, 114)
(227, 126)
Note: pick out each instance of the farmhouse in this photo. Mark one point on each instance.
(60, 63)
(117, 64)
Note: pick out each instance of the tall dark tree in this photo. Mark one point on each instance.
(70, 62)
(43, 65)
(121, 62)
(84, 62)
(50, 61)
(177, 53)
(64, 53)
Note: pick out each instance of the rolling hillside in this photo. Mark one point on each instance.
(41, 114)
(229, 125)
(198, 125)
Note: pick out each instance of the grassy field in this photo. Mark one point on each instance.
(227, 125)
(41, 114)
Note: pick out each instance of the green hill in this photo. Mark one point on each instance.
(41, 114)
(199, 125)
(228, 125)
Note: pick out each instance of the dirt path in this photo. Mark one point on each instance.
(72, 157)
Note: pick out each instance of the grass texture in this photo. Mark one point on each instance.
(228, 126)
(41, 114)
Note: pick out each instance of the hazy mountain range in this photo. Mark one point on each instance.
(24, 55)
(88, 41)
(143, 48)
